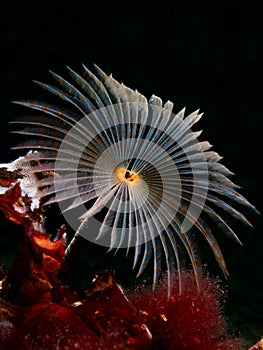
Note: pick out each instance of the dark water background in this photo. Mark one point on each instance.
(207, 57)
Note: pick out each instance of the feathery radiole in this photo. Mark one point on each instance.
(135, 163)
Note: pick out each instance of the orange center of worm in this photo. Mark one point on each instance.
(125, 175)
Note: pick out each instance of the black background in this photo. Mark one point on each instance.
(198, 56)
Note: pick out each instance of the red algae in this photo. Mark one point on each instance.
(186, 320)
(37, 311)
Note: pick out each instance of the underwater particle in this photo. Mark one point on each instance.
(135, 172)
